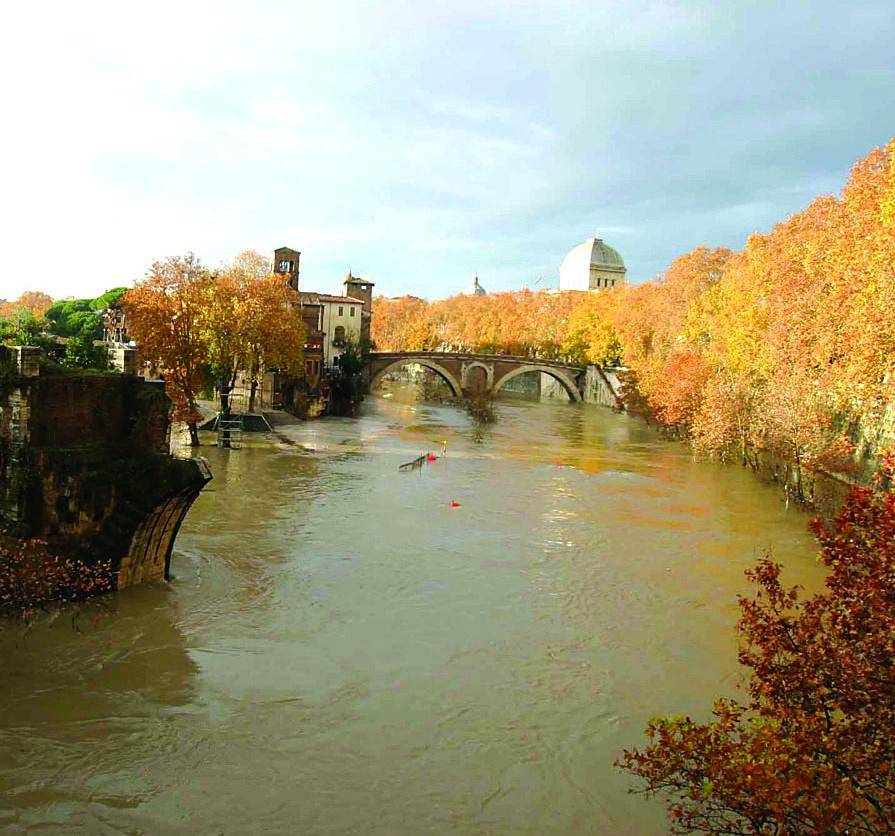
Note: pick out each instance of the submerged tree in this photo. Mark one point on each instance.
(813, 748)
(347, 382)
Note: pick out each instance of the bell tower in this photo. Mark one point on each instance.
(358, 288)
(285, 264)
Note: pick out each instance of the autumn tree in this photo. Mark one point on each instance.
(22, 328)
(590, 334)
(33, 301)
(253, 323)
(274, 333)
(812, 749)
(164, 313)
(401, 324)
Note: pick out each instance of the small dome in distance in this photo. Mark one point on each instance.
(474, 289)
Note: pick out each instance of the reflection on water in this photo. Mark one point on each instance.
(341, 650)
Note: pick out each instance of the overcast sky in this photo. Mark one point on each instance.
(418, 143)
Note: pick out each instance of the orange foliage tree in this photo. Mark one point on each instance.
(31, 300)
(164, 316)
(252, 323)
(194, 326)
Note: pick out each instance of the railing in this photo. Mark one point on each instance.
(464, 355)
(229, 429)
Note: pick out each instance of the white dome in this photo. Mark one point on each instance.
(591, 266)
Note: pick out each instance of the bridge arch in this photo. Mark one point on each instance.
(441, 371)
(467, 377)
(565, 380)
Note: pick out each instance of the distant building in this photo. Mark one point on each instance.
(474, 289)
(593, 265)
(338, 320)
(311, 313)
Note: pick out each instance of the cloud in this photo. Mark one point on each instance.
(420, 143)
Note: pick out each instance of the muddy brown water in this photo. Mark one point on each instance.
(342, 651)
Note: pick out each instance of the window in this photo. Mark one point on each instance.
(339, 335)
(341, 311)
(285, 266)
(351, 310)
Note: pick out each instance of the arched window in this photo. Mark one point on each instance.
(339, 335)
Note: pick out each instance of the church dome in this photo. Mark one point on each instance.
(592, 265)
(474, 289)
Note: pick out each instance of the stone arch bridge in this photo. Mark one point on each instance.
(482, 373)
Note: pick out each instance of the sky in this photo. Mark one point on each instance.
(418, 143)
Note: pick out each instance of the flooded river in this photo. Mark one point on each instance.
(341, 650)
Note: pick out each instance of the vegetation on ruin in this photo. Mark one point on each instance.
(34, 578)
(812, 748)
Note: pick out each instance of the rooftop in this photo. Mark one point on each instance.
(312, 298)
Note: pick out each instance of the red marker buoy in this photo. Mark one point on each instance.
(455, 504)
(431, 457)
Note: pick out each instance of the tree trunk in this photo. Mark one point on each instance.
(194, 434)
(252, 389)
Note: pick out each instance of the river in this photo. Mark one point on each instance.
(341, 650)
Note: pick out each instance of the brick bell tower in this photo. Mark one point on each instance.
(285, 264)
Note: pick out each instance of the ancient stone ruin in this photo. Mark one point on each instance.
(85, 466)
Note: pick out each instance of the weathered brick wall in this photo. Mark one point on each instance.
(98, 409)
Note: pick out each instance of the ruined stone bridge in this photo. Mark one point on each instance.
(85, 466)
(480, 373)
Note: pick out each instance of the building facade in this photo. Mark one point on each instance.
(339, 319)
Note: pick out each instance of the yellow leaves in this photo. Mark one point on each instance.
(32, 300)
(185, 320)
(250, 322)
(887, 203)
